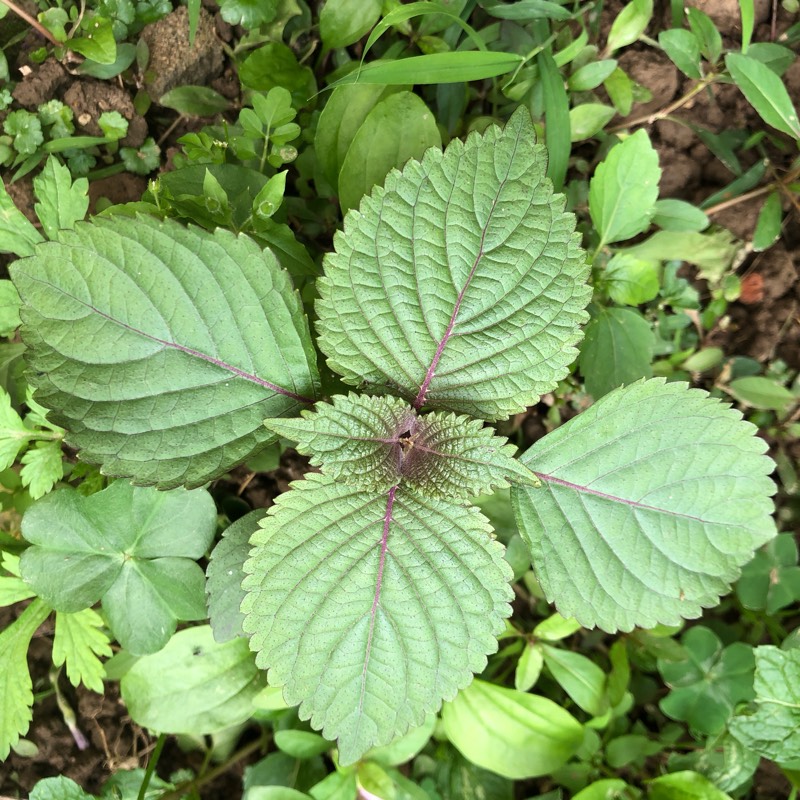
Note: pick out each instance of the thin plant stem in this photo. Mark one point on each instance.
(151, 765)
(32, 21)
(213, 774)
(649, 119)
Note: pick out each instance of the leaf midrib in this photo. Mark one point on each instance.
(186, 350)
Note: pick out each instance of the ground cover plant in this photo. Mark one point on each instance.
(416, 337)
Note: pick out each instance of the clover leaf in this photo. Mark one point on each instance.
(709, 683)
(129, 547)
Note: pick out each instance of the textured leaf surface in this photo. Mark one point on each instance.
(653, 500)
(375, 443)
(460, 284)
(370, 609)
(160, 348)
(774, 730)
(130, 547)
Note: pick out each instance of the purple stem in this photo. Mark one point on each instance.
(387, 519)
(586, 490)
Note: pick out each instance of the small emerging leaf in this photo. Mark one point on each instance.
(375, 443)
(79, 641)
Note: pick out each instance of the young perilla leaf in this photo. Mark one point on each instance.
(375, 443)
(473, 276)
(371, 608)
(653, 500)
(163, 348)
(127, 546)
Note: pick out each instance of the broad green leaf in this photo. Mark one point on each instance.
(631, 281)
(683, 50)
(13, 590)
(630, 749)
(527, 10)
(678, 215)
(771, 580)
(472, 270)
(301, 744)
(629, 24)
(765, 91)
(617, 350)
(61, 203)
(706, 33)
(777, 57)
(579, 677)
(81, 554)
(591, 75)
(555, 628)
(58, 788)
(514, 734)
(225, 573)
(624, 189)
(398, 128)
(194, 685)
(343, 115)
(653, 499)
(16, 689)
(712, 252)
(163, 348)
(706, 687)
(249, 14)
(370, 609)
(686, 785)
(773, 731)
(78, 642)
(406, 747)
(275, 65)
(17, 234)
(343, 22)
(760, 392)
(197, 101)
(97, 43)
(454, 67)
(768, 224)
(605, 789)
(42, 468)
(9, 308)
(620, 91)
(374, 443)
(14, 435)
(588, 119)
